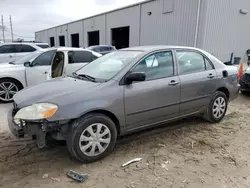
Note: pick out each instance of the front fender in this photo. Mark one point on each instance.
(111, 101)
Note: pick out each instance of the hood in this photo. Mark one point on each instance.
(52, 91)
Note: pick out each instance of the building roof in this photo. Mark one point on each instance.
(157, 47)
(121, 8)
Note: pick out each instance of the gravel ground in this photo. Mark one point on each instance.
(190, 153)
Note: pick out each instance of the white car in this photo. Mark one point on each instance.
(10, 52)
(36, 67)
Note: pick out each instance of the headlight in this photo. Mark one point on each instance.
(36, 111)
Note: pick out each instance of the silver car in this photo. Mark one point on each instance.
(122, 92)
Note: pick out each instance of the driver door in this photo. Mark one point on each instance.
(157, 98)
(37, 72)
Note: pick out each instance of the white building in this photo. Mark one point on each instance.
(219, 26)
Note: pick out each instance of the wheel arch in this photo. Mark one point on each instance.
(16, 80)
(224, 90)
(109, 114)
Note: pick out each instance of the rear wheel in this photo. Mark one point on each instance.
(217, 107)
(92, 137)
(8, 88)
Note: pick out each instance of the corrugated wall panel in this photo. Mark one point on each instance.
(175, 28)
(75, 28)
(52, 33)
(94, 24)
(226, 29)
(62, 31)
(125, 17)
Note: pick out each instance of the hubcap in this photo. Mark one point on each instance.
(7, 91)
(219, 107)
(95, 139)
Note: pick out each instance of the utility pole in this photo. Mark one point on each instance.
(11, 29)
(3, 29)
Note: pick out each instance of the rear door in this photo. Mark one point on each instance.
(40, 66)
(7, 53)
(157, 98)
(198, 80)
(77, 59)
(23, 49)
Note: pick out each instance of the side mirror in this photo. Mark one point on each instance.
(27, 64)
(135, 77)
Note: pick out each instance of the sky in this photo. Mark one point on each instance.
(29, 16)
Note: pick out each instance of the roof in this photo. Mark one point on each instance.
(101, 45)
(20, 43)
(121, 8)
(69, 49)
(156, 47)
(75, 49)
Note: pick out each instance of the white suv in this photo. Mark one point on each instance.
(10, 52)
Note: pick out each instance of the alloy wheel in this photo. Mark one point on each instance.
(95, 139)
(7, 91)
(219, 107)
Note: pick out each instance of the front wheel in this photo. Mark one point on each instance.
(8, 88)
(92, 137)
(217, 107)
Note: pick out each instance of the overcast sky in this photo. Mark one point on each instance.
(29, 16)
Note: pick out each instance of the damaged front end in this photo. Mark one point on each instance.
(39, 129)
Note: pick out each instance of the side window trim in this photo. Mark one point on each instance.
(148, 55)
(12, 47)
(195, 51)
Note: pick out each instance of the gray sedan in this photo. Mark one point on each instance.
(122, 92)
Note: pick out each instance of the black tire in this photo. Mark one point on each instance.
(79, 126)
(16, 83)
(209, 116)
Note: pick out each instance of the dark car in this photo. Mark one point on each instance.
(245, 82)
(123, 92)
(102, 49)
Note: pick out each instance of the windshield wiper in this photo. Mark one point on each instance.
(90, 78)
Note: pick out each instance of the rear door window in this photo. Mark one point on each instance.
(5, 49)
(190, 62)
(23, 48)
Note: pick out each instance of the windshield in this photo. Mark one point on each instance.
(28, 57)
(106, 67)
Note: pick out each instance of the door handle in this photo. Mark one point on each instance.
(10, 56)
(173, 83)
(210, 75)
(45, 72)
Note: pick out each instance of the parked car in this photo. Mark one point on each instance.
(10, 52)
(122, 92)
(102, 49)
(245, 82)
(36, 67)
(43, 45)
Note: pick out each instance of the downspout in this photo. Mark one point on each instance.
(68, 36)
(197, 23)
(139, 41)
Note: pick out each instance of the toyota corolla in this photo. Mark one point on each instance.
(122, 92)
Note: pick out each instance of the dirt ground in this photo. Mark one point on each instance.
(190, 153)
